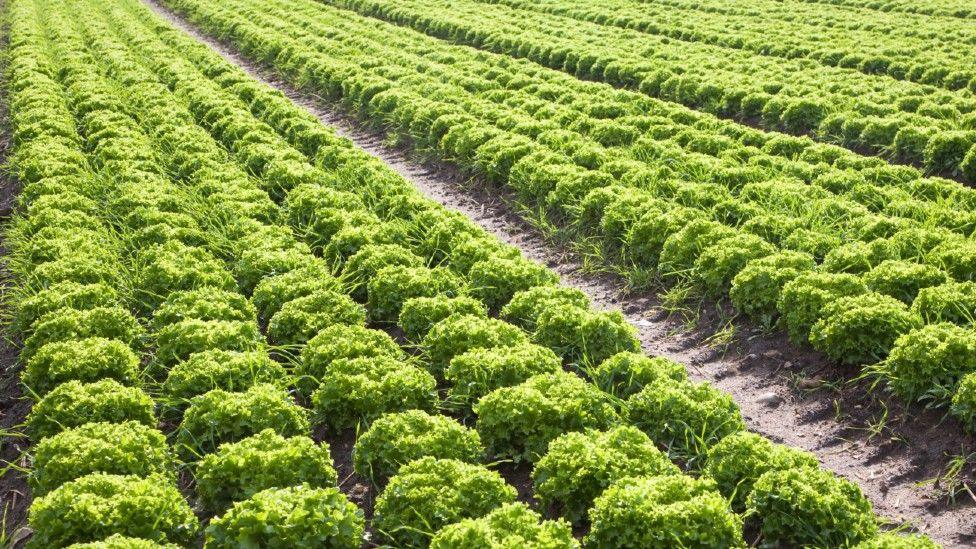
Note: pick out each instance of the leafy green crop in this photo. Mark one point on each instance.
(950, 302)
(458, 334)
(297, 516)
(74, 403)
(207, 304)
(63, 295)
(428, 494)
(98, 505)
(219, 416)
(165, 189)
(578, 467)
(718, 264)
(174, 266)
(520, 421)
(218, 369)
(178, 342)
(419, 314)
(861, 329)
(301, 318)
(625, 374)
(757, 287)
(494, 281)
(477, 372)
(736, 461)
(584, 336)
(509, 526)
(803, 298)
(85, 360)
(129, 448)
(68, 324)
(341, 342)
(663, 512)
(360, 389)
(928, 362)
(684, 417)
(964, 402)
(371, 259)
(399, 438)
(810, 507)
(392, 286)
(903, 279)
(238, 470)
(272, 292)
(116, 541)
(525, 307)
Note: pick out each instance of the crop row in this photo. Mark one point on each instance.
(942, 8)
(207, 273)
(916, 48)
(915, 123)
(853, 257)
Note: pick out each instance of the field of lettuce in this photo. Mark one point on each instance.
(236, 328)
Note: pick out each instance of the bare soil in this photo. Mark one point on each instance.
(15, 496)
(899, 456)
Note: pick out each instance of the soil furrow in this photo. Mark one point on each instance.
(785, 393)
(15, 497)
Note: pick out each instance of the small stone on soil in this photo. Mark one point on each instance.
(358, 492)
(809, 383)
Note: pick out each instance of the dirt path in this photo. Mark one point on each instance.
(15, 496)
(777, 386)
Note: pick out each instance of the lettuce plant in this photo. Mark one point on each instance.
(219, 416)
(861, 329)
(86, 360)
(341, 342)
(227, 370)
(392, 286)
(301, 318)
(494, 281)
(429, 493)
(399, 438)
(736, 461)
(510, 525)
(525, 307)
(420, 314)
(361, 389)
(964, 402)
(297, 516)
(477, 372)
(626, 373)
(520, 421)
(663, 512)
(928, 362)
(129, 448)
(584, 336)
(684, 417)
(457, 334)
(95, 506)
(810, 507)
(238, 470)
(579, 466)
(272, 292)
(73, 403)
